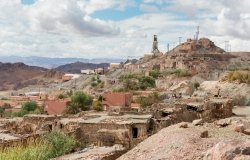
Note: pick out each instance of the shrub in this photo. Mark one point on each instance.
(119, 90)
(4, 99)
(155, 73)
(20, 113)
(148, 101)
(97, 105)
(93, 79)
(52, 145)
(29, 106)
(94, 84)
(130, 85)
(59, 143)
(146, 82)
(181, 73)
(196, 85)
(80, 101)
(144, 101)
(242, 76)
(2, 110)
(62, 96)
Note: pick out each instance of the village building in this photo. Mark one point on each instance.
(68, 77)
(102, 129)
(100, 71)
(88, 71)
(56, 107)
(115, 99)
(114, 65)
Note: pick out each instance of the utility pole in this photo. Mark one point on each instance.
(168, 47)
(226, 46)
(180, 40)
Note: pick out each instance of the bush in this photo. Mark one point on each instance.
(196, 85)
(80, 101)
(20, 113)
(181, 73)
(97, 105)
(52, 145)
(93, 79)
(59, 143)
(119, 90)
(144, 102)
(155, 73)
(94, 84)
(130, 85)
(242, 76)
(62, 96)
(4, 99)
(137, 81)
(148, 101)
(29, 106)
(146, 82)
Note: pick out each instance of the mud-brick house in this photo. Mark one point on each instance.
(113, 99)
(55, 107)
(102, 129)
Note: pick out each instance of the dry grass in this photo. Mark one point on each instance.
(241, 76)
(50, 146)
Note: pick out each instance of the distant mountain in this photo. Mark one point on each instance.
(78, 66)
(53, 62)
(19, 75)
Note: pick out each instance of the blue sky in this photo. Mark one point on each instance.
(117, 28)
(27, 1)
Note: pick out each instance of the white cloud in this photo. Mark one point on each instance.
(65, 28)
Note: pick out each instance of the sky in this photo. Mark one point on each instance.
(117, 28)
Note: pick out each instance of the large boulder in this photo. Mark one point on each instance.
(229, 150)
(184, 87)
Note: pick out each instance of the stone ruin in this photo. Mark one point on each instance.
(187, 110)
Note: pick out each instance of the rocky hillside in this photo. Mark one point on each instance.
(78, 66)
(19, 75)
(224, 139)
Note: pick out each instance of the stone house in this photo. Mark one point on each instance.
(105, 130)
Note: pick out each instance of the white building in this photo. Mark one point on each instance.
(87, 71)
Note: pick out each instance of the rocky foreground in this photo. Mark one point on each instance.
(224, 139)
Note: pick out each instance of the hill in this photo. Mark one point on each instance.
(48, 62)
(19, 75)
(78, 66)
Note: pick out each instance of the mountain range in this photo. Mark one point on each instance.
(50, 63)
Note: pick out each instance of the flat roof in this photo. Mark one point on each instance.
(104, 118)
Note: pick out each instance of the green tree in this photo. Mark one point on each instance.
(29, 106)
(80, 101)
